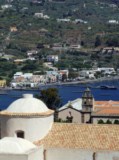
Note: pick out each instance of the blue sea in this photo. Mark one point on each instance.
(68, 93)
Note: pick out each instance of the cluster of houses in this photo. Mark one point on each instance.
(45, 16)
(33, 55)
(97, 73)
(35, 81)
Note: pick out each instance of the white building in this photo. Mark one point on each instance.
(30, 119)
(6, 6)
(38, 15)
(113, 21)
(63, 20)
(71, 109)
(41, 15)
(21, 112)
(32, 52)
(18, 74)
(88, 74)
(80, 21)
(106, 70)
(75, 46)
(19, 149)
(52, 58)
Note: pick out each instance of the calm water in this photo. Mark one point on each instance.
(68, 93)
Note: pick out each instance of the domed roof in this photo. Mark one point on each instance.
(13, 145)
(27, 104)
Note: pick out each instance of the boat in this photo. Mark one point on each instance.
(107, 87)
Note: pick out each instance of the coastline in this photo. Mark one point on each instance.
(68, 91)
(91, 81)
(72, 83)
(82, 82)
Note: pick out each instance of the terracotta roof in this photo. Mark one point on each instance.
(105, 104)
(82, 136)
(106, 108)
(107, 111)
(6, 113)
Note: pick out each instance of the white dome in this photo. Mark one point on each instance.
(12, 145)
(27, 104)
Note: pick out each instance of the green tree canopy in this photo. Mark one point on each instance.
(108, 122)
(97, 41)
(100, 121)
(113, 41)
(116, 121)
(50, 97)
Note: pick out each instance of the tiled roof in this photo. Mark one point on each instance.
(82, 136)
(107, 111)
(6, 113)
(105, 104)
(106, 108)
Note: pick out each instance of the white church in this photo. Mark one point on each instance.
(28, 132)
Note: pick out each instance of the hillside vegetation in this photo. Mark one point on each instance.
(92, 31)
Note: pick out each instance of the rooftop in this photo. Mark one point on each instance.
(106, 108)
(27, 106)
(82, 136)
(76, 104)
(105, 104)
(12, 145)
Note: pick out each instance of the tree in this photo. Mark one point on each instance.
(64, 77)
(100, 121)
(50, 97)
(73, 74)
(113, 41)
(116, 121)
(97, 41)
(82, 43)
(108, 122)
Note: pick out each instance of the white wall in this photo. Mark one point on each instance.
(68, 154)
(80, 154)
(107, 155)
(13, 157)
(36, 154)
(35, 128)
(76, 115)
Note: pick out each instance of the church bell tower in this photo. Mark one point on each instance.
(87, 100)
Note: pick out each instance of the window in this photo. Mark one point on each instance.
(20, 134)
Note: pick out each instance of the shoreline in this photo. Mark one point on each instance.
(91, 81)
(88, 81)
